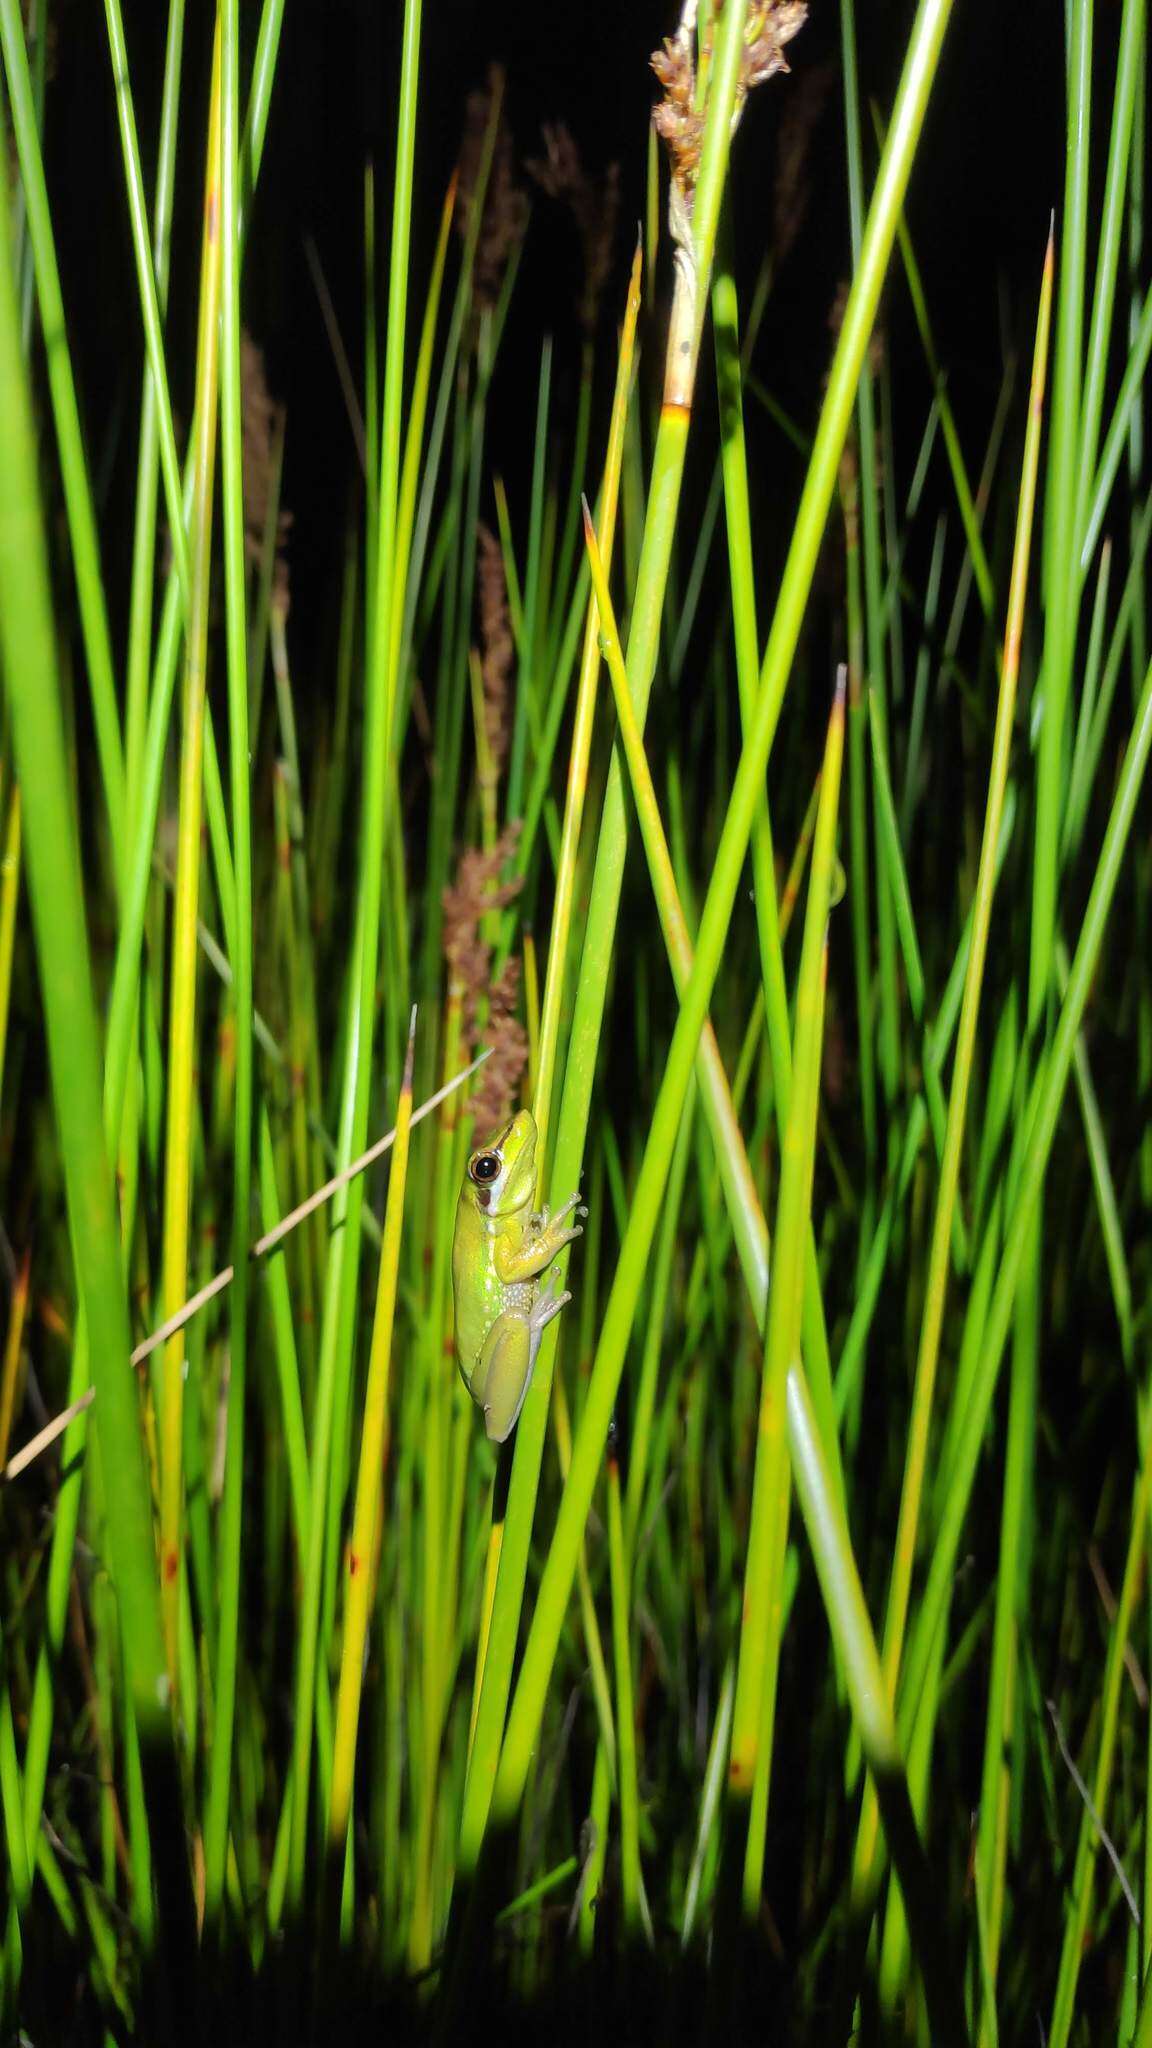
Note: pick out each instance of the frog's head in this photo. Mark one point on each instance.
(502, 1174)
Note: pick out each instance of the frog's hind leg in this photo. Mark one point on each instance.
(504, 1374)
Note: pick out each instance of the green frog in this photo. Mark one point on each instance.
(500, 1250)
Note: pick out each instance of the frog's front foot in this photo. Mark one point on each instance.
(551, 1226)
(548, 1234)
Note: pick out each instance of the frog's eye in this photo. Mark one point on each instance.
(485, 1167)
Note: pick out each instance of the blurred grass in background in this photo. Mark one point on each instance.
(316, 1712)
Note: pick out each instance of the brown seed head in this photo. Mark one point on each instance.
(488, 1006)
(594, 204)
(502, 1072)
(678, 117)
(836, 314)
(505, 216)
(771, 25)
(262, 424)
(804, 106)
(675, 117)
(497, 645)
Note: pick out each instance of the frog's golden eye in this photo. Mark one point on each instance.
(484, 1167)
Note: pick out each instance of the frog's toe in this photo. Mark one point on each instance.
(548, 1306)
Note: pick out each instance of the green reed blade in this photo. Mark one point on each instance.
(749, 1762)
(933, 1316)
(235, 577)
(32, 688)
(66, 413)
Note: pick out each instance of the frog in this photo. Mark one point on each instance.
(501, 1248)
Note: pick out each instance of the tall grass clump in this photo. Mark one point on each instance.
(774, 830)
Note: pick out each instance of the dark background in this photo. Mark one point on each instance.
(989, 173)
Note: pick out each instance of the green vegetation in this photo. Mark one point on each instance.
(783, 1675)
